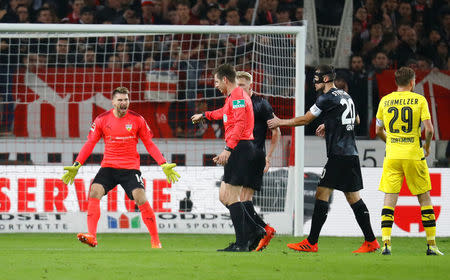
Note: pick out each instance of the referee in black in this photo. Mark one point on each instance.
(261, 163)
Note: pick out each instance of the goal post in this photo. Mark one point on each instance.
(166, 68)
(299, 134)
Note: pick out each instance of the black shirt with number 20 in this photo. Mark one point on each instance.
(339, 116)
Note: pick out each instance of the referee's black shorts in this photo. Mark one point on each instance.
(129, 179)
(237, 170)
(257, 170)
(342, 173)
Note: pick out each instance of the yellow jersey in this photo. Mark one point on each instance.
(401, 113)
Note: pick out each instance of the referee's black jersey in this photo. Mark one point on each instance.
(262, 112)
(339, 116)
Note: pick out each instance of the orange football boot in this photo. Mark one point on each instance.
(88, 239)
(156, 244)
(368, 247)
(264, 242)
(304, 246)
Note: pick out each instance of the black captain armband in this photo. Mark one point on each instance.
(228, 149)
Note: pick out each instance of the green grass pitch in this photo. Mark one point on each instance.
(187, 256)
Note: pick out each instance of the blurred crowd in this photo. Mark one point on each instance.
(392, 33)
(207, 12)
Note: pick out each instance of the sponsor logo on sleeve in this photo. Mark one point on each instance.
(93, 127)
(240, 103)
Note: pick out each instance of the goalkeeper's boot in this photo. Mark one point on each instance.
(433, 251)
(156, 244)
(264, 242)
(368, 247)
(386, 249)
(304, 246)
(88, 239)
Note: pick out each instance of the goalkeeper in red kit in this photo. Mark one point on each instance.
(120, 129)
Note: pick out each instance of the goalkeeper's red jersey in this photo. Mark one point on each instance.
(237, 115)
(121, 137)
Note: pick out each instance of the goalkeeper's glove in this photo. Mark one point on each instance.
(172, 175)
(71, 173)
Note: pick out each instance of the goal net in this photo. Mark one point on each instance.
(57, 78)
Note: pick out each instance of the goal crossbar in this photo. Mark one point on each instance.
(178, 29)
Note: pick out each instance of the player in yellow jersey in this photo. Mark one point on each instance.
(399, 116)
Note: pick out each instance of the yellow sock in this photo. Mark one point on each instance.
(387, 220)
(429, 224)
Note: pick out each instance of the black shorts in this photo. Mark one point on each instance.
(257, 170)
(342, 173)
(237, 170)
(129, 179)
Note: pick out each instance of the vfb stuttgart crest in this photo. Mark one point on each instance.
(129, 126)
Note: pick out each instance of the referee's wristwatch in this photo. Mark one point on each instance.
(228, 149)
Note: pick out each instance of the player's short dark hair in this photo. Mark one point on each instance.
(404, 75)
(226, 70)
(329, 69)
(120, 90)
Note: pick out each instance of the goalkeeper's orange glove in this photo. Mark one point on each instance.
(172, 175)
(71, 173)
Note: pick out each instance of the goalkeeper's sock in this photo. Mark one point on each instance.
(387, 220)
(237, 214)
(251, 211)
(318, 219)
(93, 215)
(429, 224)
(148, 216)
(363, 218)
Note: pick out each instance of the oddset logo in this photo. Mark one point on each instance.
(405, 215)
(124, 222)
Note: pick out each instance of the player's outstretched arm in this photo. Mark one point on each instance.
(72, 171)
(85, 152)
(297, 121)
(93, 137)
(172, 175)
